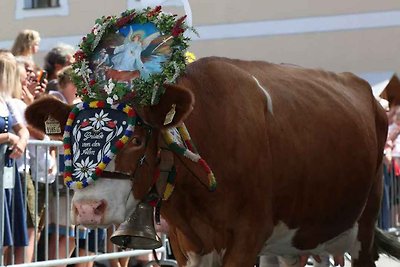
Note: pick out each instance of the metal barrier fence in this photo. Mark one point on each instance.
(41, 195)
(48, 242)
(389, 219)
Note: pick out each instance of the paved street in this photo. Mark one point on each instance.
(384, 261)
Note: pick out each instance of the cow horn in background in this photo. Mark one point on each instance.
(138, 230)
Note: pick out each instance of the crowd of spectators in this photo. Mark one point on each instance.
(390, 210)
(21, 82)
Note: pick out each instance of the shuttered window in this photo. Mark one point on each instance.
(31, 4)
(41, 8)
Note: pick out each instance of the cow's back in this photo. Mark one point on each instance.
(309, 161)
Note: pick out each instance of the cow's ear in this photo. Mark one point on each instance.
(44, 108)
(174, 106)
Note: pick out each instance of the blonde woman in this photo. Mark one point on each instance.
(13, 138)
(26, 45)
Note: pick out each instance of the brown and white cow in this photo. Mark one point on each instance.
(296, 153)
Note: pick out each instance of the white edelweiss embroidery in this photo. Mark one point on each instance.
(99, 120)
(84, 168)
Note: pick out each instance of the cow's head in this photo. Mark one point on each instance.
(127, 179)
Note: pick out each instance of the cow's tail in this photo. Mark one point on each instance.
(387, 243)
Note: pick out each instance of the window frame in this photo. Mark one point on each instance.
(21, 12)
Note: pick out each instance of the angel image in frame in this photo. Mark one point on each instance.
(129, 55)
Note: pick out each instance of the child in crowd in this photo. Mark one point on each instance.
(67, 89)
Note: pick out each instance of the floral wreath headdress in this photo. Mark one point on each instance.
(122, 63)
(143, 91)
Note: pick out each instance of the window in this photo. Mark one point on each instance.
(41, 8)
(29, 4)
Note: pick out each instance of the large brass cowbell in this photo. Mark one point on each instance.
(138, 231)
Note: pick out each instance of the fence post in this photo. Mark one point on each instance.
(3, 148)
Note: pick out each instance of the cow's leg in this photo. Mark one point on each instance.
(240, 257)
(245, 248)
(366, 255)
(178, 254)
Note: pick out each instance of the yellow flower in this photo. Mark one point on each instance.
(190, 57)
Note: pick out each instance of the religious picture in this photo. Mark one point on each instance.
(135, 50)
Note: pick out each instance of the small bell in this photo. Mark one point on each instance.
(138, 231)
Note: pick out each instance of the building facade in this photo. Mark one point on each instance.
(361, 36)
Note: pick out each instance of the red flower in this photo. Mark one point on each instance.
(79, 55)
(177, 29)
(84, 91)
(111, 124)
(84, 123)
(154, 12)
(124, 20)
(180, 20)
(92, 82)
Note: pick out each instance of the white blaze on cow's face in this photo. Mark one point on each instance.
(111, 201)
(106, 202)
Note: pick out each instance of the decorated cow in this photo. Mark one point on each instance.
(242, 158)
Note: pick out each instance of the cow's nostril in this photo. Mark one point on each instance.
(100, 209)
(75, 209)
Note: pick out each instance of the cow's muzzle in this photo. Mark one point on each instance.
(89, 212)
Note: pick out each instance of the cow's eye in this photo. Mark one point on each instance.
(136, 141)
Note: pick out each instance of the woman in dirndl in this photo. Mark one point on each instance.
(13, 140)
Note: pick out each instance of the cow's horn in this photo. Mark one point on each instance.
(138, 230)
